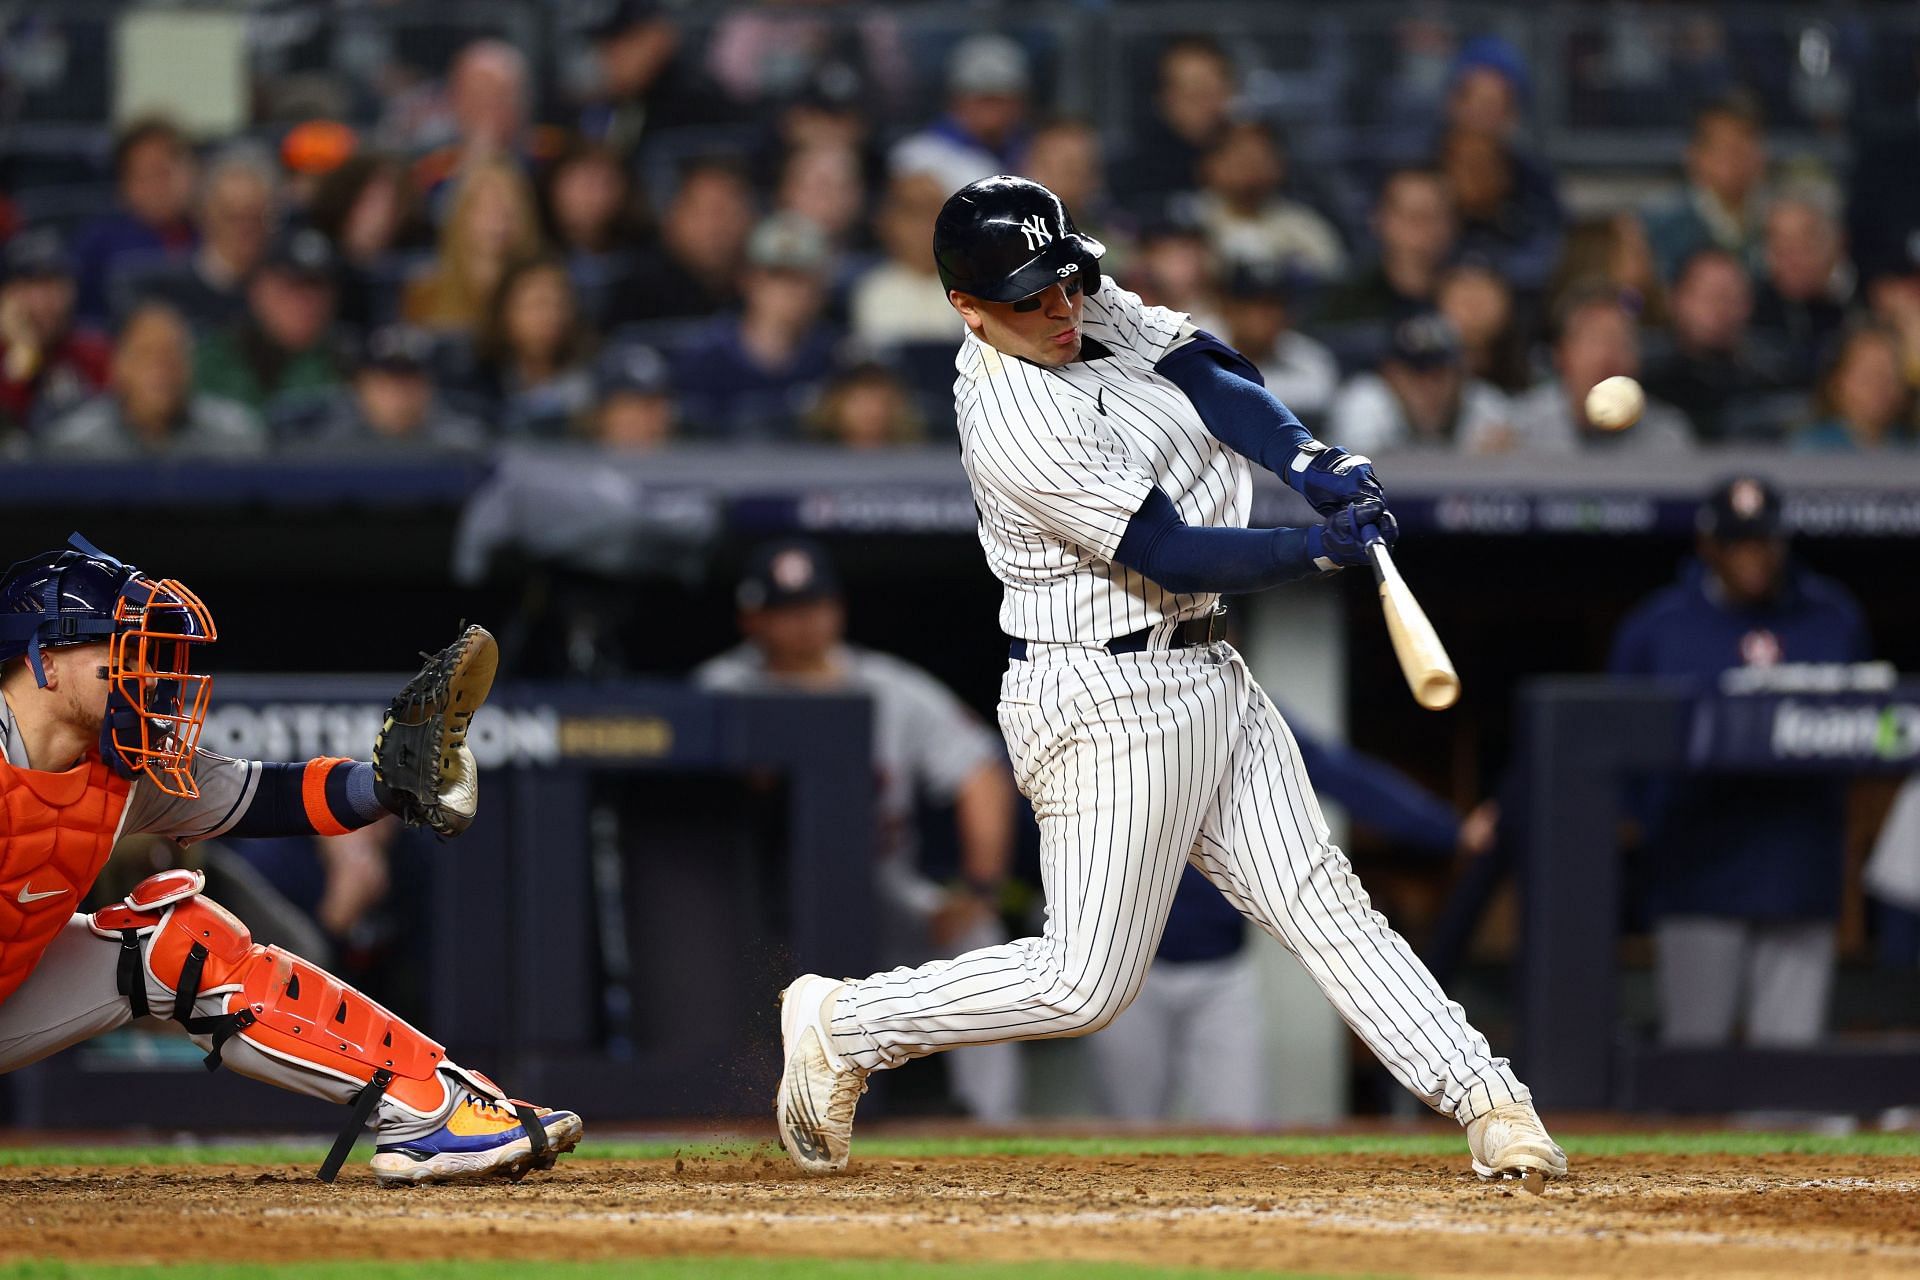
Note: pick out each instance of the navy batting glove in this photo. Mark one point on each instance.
(1330, 478)
(1342, 540)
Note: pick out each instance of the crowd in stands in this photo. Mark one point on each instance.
(472, 267)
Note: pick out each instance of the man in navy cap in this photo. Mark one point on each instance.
(925, 743)
(1742, 873)
(390, 402)
(46, 365)
(284, 347)
(633, 407)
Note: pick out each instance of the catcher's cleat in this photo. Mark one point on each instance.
(1510, 1142)
(818, 1092)
(481, 1139)
(422, 767)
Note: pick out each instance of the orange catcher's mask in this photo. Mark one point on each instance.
(157, 705)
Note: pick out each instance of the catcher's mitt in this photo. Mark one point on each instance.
(422, 768)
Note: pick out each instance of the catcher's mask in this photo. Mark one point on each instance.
(155, 704)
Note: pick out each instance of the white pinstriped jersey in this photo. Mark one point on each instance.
(1061, 458)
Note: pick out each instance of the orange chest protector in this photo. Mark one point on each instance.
(56, 830)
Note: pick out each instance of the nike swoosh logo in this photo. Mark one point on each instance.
(27, 895)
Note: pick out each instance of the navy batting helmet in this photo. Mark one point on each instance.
(155, 705)
(1006, 238)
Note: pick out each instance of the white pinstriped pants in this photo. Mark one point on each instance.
(1135, 764)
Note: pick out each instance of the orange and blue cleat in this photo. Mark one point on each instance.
(481, 1139)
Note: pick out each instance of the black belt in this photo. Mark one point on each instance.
(1194, 631)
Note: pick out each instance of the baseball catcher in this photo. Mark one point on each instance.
(100, 717)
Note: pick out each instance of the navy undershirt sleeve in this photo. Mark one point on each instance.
(279, 806)
(1182, 558)
(1234, 403)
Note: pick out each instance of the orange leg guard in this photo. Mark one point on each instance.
(281, 1005)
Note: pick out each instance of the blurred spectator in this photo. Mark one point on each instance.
(1064, 156)
(1477, 302)
(767, 53)
(1596, 338)
(867, 407)
(1802, 302)
(312, 150)
(694, 270)
(1490, 84)
(829, 110)
(149, 406)
(153, 177)
(1414, 226)
(634, 399)
(490, 224)
(592, 215)
(825, 186)
(901, 299)
(755, 374)
(1613, 250)
(1420, 397)
(47, 366)
(1893, 300)
(1862, 403)
(1516, 228)
(982, 131)
(392, 402)
(925, 744)
(238, 193)
(1257, 307)
(1714, 371)
(1722, 202)
(639, 81)
(1743, 873)
(283, 349)
(534, 351)
(484, 118)
(1245, 216)
(1196, 92)
(366, 211)
(1174, 267)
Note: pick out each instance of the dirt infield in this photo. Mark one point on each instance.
(1395, 1216)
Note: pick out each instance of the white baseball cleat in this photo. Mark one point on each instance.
(818, 1092)
(1510, 1142)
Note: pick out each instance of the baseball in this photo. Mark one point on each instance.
(1615, 403)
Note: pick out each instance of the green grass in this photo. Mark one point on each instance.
(634, 1269)
(1728, 1143)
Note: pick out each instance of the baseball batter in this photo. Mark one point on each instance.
(100, 716)
(1109, 447)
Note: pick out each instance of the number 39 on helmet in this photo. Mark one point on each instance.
(1006, 238)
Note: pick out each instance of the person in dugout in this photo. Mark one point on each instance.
(1742, 874)
(100, 718)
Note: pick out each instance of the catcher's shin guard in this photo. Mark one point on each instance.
(282, 1006)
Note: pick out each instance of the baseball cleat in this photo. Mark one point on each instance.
(814, 1108)
(1510, 1142)
(481, 1139)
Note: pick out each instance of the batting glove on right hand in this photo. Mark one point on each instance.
(1341, 541)
(1330, 478)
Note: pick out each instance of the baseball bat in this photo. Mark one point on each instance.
(1423, 659)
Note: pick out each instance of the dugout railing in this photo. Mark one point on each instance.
(1581, 740)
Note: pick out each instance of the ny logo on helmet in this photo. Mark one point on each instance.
(1035, 230)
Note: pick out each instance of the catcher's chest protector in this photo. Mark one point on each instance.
(56, 830)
